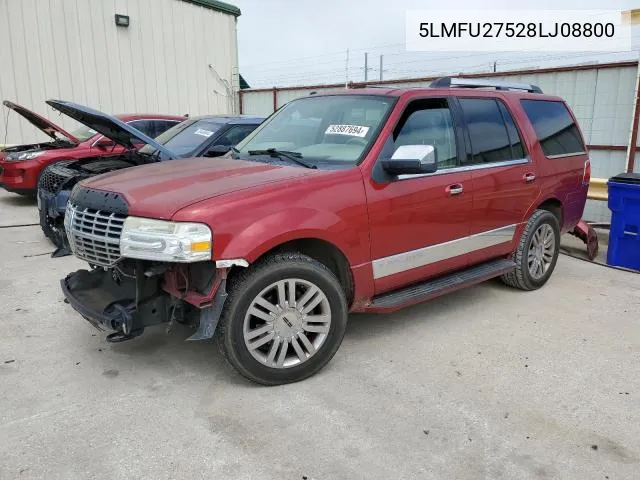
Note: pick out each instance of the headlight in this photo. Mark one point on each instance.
(160, 240)
(18, 157)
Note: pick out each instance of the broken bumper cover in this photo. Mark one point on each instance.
(128, 304)
(111, 305)
(51, 208)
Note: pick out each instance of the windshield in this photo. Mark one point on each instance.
(186, 137)
(83, 133)
(330, 129)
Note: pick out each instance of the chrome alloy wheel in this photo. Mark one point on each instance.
(287, 323)
(541, 251)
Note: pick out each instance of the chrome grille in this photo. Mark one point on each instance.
(94, 235)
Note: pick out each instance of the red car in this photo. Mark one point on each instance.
(21, 165)
(365, 201)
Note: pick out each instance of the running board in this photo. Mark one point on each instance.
(421, 292)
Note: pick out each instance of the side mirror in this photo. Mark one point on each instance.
(217, 150)
(105, 143)
(412, 159)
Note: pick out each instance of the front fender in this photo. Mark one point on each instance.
(293, 224)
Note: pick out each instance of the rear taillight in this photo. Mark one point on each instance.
(586, 174)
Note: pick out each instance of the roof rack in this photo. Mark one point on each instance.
(446, 82)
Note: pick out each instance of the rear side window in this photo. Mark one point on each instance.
(557, 132)
(492, 132)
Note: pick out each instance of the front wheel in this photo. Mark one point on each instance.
(537, 252)
(284, 319)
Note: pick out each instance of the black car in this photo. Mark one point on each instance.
(205, 136)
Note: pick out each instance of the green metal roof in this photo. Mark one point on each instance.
(216, 5)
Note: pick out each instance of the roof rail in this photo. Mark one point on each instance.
(446, 82)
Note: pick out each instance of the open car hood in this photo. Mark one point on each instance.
(40, 122)
(112, 128)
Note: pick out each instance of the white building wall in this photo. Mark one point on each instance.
(72, 50)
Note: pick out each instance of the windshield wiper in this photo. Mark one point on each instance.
(295, 157)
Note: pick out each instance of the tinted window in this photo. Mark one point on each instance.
(427, 123)
(517, 150)
(488, 133)
(144, 126)
(152, 128)
(161, 126)
(234, 135)
(556, 130)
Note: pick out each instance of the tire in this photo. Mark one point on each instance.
(238, 326)
(535, 264)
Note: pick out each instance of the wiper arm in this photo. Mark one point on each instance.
(295, 157)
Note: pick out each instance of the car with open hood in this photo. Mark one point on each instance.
(22, 165)
(366, 200)
(203, 136)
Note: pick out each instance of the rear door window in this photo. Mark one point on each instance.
(492, 132)
(557, 132)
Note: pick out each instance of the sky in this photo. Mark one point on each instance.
(284, 43)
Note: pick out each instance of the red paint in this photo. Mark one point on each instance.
(22, 176)
(254, 207)
(175, 284)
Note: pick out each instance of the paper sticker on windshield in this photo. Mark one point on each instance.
(351, 130)
(204, 133)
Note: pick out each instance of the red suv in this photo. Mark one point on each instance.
(365, 201)
(21, 165)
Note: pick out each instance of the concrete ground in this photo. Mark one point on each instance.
(486, 383)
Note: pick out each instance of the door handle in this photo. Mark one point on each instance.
(529, 177)
(455, 189)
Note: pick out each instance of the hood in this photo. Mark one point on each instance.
(163, 188)
(40, 122)
(112, 128)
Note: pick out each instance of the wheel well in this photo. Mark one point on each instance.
(554, 206)
(325, 253)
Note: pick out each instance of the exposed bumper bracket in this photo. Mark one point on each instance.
(210, 316)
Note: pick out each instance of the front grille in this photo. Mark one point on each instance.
(94, 235)
(51, 181)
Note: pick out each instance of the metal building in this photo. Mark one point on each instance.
(605, 99)
(119, 56)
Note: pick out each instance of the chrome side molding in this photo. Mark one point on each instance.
(402, 262)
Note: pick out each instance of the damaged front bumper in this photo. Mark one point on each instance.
(51, 208)
(128, 303)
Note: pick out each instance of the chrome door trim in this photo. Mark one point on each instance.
(466, 168)
(562, 155)
(401, 262)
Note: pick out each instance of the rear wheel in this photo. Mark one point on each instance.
(537, 252)
(284, 319)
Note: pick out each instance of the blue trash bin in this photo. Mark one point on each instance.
(624, 236)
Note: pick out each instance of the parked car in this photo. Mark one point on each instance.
(207, 136)
(21, 165)
(364, 201)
